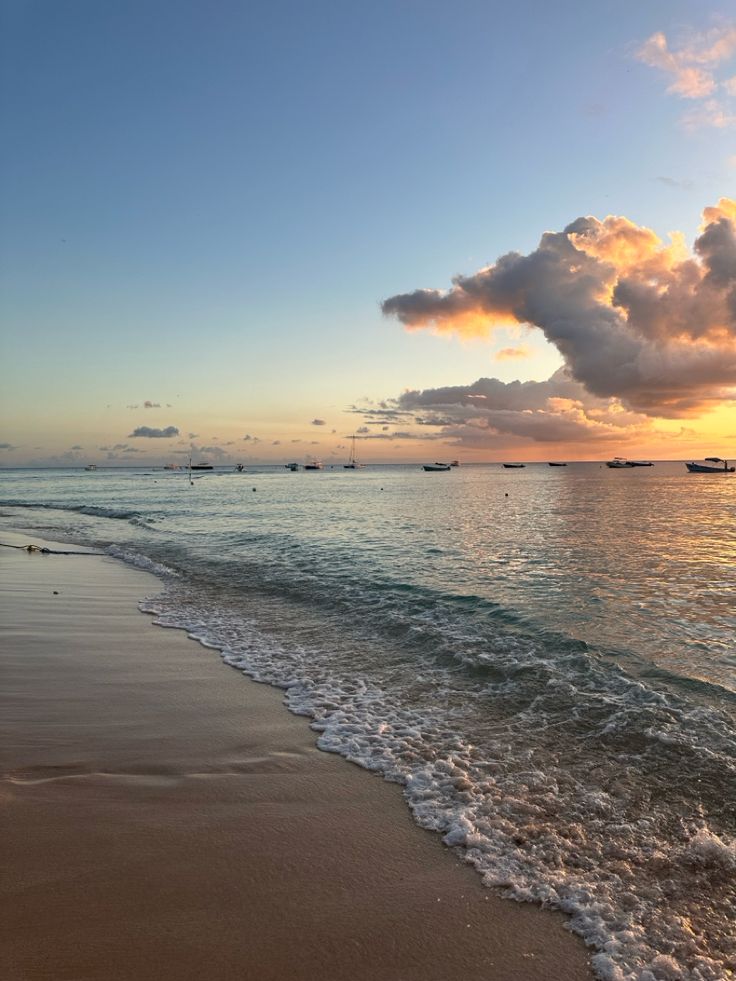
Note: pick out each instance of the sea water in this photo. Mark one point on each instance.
(544, 658)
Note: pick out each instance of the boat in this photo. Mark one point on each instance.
(292, 466)
(514, 466)
(314, 465)
(433, 467)
(201, 466)
(239, 467)
(91, 466)
(352, 463)
(172, 466)
(454, 463)
(702, 468)
(621, 463)
(556, 464)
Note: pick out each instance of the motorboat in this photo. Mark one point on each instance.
(703, 468)
(618, 463)
(556, 464)
(239, 467)
(91, 466)
(514, 466)
(640, 463)
(202, 466)
(292, 466)
(435, 467)
(172, 466)
(314, 465)
(454, 463)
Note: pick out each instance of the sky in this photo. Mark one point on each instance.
(478, 230)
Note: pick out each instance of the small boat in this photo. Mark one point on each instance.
(352, 463)
(91, 466)
(435, 467)
(314, 465)
(201, 466)
(556, 464)
(292, 466)
(702, 468)
(639, 463)
(239, 467)
(618, 463)
(514, 466)
(454, 463)
(172, 466)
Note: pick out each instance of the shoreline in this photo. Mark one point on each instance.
(167, 819)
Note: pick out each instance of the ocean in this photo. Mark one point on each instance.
(544, 658)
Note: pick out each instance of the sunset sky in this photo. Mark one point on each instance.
(249, 230)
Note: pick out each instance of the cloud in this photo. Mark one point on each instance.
(149, 433)
(7, 446)
(77, 447)
(192, 435)
(318, 422)
(692, 67)
(683, 185)
(634, 319)
(558, 410)
(251, 439)
(510, 353)
(151, 405)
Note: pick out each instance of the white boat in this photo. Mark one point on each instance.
(702, 468)
(314, 465)
(91, 466)
(352, 463)
(436, 466)
(621, 463)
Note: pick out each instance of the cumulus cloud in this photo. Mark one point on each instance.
(634, 319)
(693, 67)
(149, 433)
(318, 422)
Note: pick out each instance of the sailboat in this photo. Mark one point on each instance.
(353, 464)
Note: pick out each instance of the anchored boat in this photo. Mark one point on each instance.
(703, 468)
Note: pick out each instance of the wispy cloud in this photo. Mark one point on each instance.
(698, 68)
(512, 353)
(148, 433)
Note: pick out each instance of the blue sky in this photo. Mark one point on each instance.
(204, 205)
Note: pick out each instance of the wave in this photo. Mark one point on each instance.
(118, 514)
(563, 780)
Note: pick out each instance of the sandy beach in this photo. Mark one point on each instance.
(165, 817)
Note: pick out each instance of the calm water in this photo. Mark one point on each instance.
(551, 674)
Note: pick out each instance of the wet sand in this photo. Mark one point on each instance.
(166, 818)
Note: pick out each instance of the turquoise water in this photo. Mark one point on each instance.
(545, 659)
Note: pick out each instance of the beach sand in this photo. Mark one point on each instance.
(166, 818)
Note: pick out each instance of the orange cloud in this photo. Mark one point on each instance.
(511, 353)
(635, 319)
